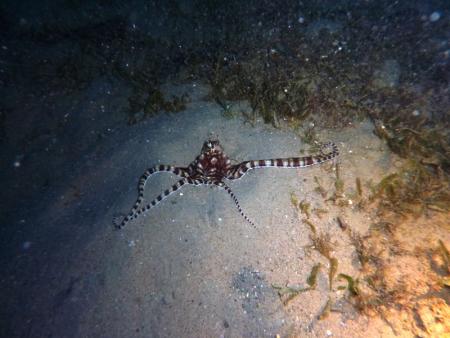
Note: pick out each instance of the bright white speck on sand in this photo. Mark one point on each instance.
(26, 245)
(435, 16)
(16, 164)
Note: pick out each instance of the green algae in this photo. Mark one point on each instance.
(352, 284)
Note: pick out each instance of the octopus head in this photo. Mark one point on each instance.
(212, 146)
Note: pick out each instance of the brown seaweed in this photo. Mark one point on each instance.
(312, 278)
(326, 310)
(333, 269)
(322, 244)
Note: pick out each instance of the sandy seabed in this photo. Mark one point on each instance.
(192, 267)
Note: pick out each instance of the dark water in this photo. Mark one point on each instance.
(80, 79)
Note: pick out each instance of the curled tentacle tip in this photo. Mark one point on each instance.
(118, 222)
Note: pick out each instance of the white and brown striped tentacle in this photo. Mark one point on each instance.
(233, 196)
(239, 170)
(143, 210)
(182, 172)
